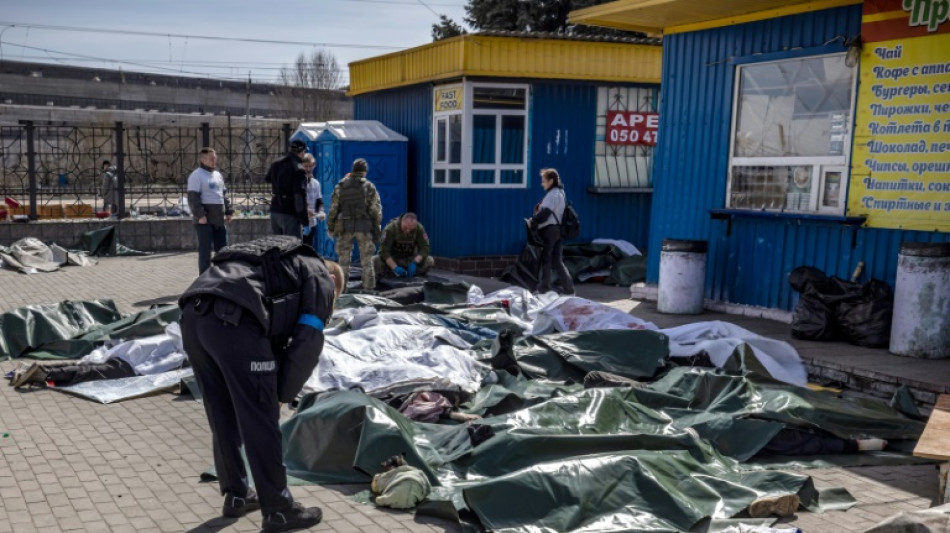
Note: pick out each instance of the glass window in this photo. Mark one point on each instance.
(480, 135)
(499, 98)
(440, 140)
(455, 139)
(512, 139)
(792, 124)
(483, 176)
(483, 139)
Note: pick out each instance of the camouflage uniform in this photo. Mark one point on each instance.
(403, 247)
(355, 213)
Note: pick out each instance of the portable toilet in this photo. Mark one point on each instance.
(336, 144)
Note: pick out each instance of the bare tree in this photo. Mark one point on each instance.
(310, 86)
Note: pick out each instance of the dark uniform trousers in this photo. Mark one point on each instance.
(236, 372)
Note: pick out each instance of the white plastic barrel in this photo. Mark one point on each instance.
(921, 323)
(682, 277)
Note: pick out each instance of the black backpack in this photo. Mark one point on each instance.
(570, 223)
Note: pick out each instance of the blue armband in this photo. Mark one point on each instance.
(311, 320)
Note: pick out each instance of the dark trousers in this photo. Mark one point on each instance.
(791, 441)
(210, 237)
(551, 258)
(71, 374)
(236, 372)
(284, 224)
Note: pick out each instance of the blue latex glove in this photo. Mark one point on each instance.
(412, 269)
(399, 271)
(306, 231)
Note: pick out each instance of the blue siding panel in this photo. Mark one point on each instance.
(748, 264)
(474, 222)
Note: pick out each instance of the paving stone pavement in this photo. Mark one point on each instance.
(69, 464)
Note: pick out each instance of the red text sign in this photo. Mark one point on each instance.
(632, 127)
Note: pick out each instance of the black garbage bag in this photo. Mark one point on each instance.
(526, 270)
(864, 316)
(812, 319)
(804, 276)
(832, 308)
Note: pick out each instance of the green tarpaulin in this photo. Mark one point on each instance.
(72, 329)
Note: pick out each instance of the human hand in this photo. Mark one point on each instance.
(412, 269)
(399, 271)
(321, 215)
(306, 231)
(203, 220)
(227, 219)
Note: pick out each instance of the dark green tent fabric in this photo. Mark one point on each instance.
(27, 328)
(553, 458)
(72, 329)
(103, 241)
(446, 292)
(580, 258)
(628, 271)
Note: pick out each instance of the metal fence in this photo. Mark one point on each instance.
(56, 171)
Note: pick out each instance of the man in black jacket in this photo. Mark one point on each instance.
(288, 180)
(252, 327)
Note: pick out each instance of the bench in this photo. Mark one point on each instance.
(934, 443)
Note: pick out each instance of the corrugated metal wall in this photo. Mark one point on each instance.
(750, 264)
(469, 222)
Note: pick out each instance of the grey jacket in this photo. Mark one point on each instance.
(109, 186)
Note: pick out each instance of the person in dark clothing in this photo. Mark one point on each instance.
(65, 373)
(288, 180)
(252, 326)
(109, 188)
(794, 441)
(546, 219)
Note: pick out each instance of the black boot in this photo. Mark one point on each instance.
(236, 507)
(296, 517)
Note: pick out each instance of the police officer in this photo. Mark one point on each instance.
(252, 327)
(288, 180)
(355, 213)
(405, 248)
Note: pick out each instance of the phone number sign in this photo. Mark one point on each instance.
(632, 128)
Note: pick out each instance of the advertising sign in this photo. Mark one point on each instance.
(448, 98)
(632, 127)
(900, 171)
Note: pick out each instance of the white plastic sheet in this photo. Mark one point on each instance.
(148, 355)
(380, 357)
(115, 390)
(719, 339)
(571, 313)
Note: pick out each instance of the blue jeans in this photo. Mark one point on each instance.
(209, 236)
(284, 224)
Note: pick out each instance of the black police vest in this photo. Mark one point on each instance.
(282, 289)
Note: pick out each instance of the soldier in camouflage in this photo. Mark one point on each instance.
(356, 213)
(405, 248)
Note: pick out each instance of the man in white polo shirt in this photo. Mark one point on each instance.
(210, 207)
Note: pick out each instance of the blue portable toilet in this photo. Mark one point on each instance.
(336, 144)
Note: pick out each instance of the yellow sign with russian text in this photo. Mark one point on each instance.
(900, 166)
(448, 98)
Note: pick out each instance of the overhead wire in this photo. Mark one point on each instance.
(154, 65)
(203, 37)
